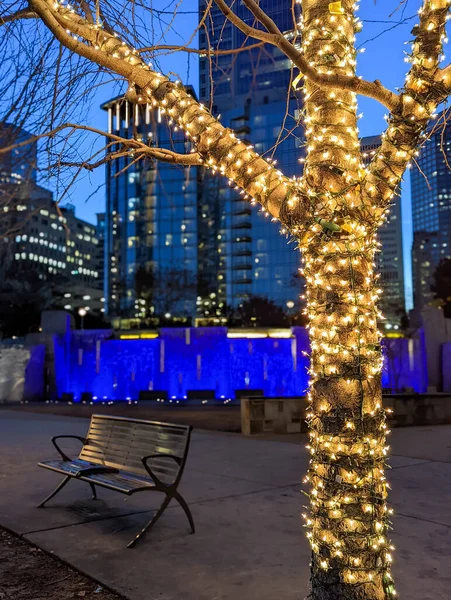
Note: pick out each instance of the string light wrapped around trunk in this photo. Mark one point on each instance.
(348, 519)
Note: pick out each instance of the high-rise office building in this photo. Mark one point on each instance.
(17, 164)
(240, 252)
(100, 254)
(150, 223)
(424, 260)
(389, 261)
(43, 242)
(40, 237)
(37, 234)
(431, 210)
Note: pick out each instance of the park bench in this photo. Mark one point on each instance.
(128, 456)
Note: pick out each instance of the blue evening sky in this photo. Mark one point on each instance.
(383, 59)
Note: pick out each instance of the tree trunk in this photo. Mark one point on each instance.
(348, 517)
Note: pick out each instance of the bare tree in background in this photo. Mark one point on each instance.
(334, 211)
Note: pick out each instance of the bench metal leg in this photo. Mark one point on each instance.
(152, 522)
(185, 507)
(55, 491)
(94, 492)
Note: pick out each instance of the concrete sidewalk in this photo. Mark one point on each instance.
(244, 495)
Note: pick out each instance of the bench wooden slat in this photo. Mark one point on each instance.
(177, 444)
(122, 434)
(113, 460)
(99, 455)
(129, 424)
(138, 443)
(134, 454)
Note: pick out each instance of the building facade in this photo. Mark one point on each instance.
(389, 261)
(39, 236)
(17, 164)
(241, 254)
(425, 257)
(150, 224)
(431, 211)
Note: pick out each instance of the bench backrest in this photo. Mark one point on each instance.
(121, 443)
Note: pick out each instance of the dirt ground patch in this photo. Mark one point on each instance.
(28, 573)
(217, 418)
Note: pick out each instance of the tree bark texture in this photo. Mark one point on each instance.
(348, 517)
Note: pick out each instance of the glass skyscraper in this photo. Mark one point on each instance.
(17, 165)
(150, 222)
(241, 254)
(431, 210)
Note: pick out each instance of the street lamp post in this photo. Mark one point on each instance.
(82, 313)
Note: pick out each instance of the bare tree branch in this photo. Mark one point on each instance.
(206, 52)
(426, 87)
(328, 80)
(220, 150)
(134, 145)
(24, 13)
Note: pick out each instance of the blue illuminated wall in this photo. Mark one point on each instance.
(205, 359)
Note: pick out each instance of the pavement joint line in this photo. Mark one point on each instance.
(233, 477)
(140, 512)
(447, 525)
(426, 460)
(422, 462)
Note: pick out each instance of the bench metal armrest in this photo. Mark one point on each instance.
(57, 437)
(152, 474)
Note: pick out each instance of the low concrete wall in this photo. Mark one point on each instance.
(419, 409)
(21, 372)
(287, 415)
(272, 415)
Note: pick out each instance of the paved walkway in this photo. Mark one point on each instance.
(244, 495)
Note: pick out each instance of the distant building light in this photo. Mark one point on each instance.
(67, 307)
(86, 297)
(67, 295)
